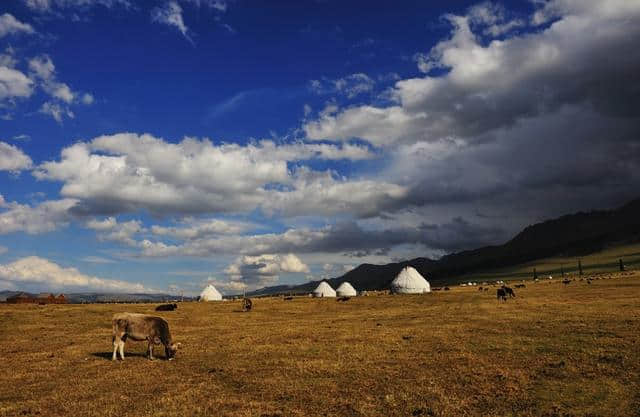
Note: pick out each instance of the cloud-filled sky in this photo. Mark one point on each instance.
(164, 145)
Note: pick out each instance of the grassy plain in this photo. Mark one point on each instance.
(554, 350)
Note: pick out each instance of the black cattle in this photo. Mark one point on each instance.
(566, 281)
(247, 304)
(508, 291)
(166, 307)
(446, 288)
(288, 298)
(343, 298)
(501, 294)
(520, 286)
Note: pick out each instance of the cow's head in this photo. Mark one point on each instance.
(172, 349)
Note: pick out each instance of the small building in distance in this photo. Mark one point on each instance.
(210, 293)
(409, 281)
(324, 290)
(346, 290)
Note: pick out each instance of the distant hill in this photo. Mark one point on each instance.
(92, 297)
(573, 234)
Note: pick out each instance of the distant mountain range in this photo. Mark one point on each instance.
(92, 297)
(570, 235)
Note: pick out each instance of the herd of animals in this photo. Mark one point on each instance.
(155, 330)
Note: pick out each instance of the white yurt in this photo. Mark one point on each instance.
(324, 290)
(409, 281)
(210, 294)
(346, 290)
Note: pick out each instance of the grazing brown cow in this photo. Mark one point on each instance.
(247, 304)
(139, 327)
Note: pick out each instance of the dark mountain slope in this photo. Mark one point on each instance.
(573, 234)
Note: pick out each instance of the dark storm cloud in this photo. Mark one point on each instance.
(551, 111)
(348, 237)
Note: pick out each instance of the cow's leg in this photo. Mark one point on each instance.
(115, 348)
(121, 349)
(150, 349)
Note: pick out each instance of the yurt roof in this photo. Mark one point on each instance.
(410, 279)
(324, 288)
(211, 292)
(346, 287)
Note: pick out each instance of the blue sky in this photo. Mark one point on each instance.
(167, 144)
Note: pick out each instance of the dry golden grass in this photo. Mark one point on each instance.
(555, 350)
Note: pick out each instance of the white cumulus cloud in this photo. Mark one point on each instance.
(112, 230)
(128, 172)
(14, 84)
(10, 25)
(43, 73)
(13, 158)
(44, 217)
(170, 14)
(44, 273)
(257, 271)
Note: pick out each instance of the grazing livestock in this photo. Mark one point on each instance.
(289, 298)
(479, 288)
(520, 286)
(501, 294)
(343, 299)
(486, 289)
(139, 327)
(247, 304)
(167, 307)
(508, 291)
(566, 281)
(446, 288)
